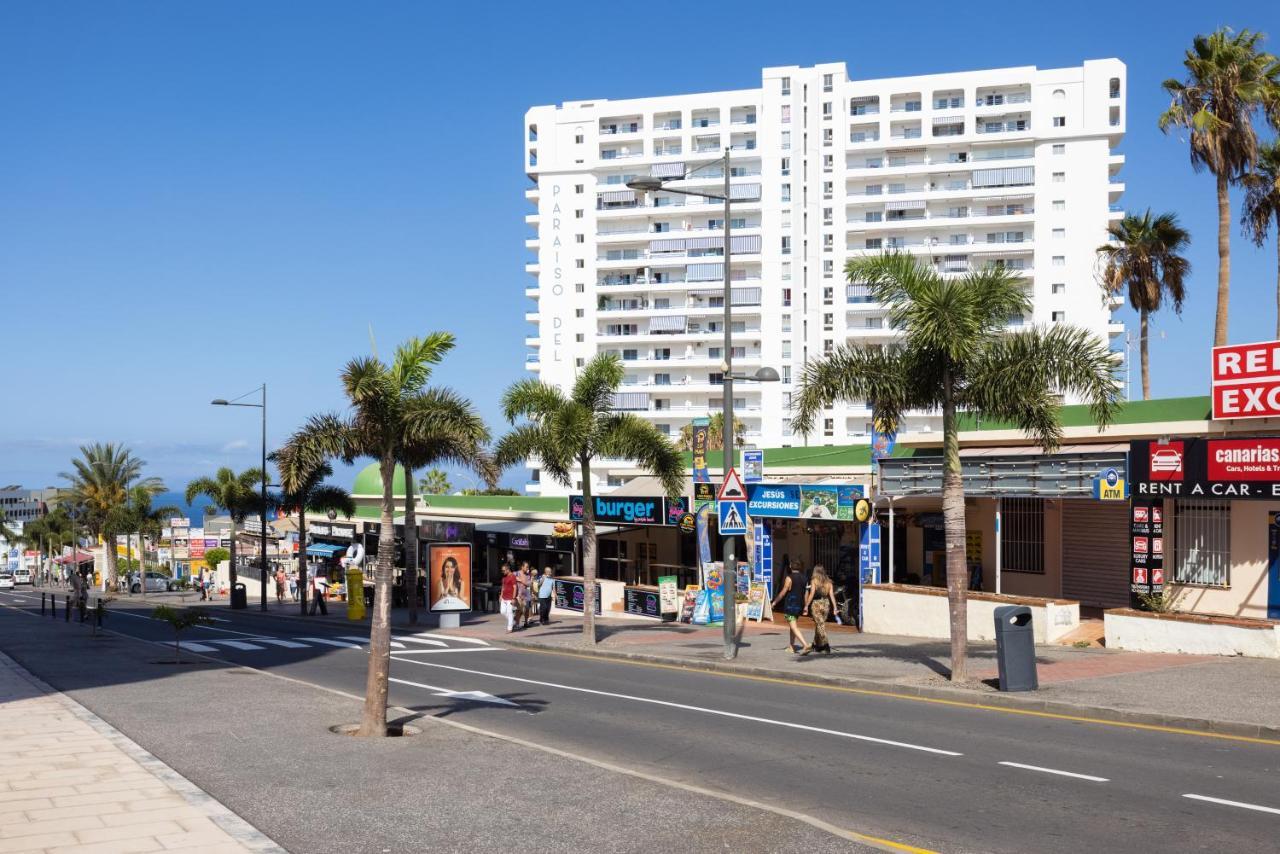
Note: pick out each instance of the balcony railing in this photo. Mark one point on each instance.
(1004, 127)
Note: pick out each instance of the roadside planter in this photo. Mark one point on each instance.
(905, 609)
(1194, 634)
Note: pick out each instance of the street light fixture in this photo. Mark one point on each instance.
(263, 508)
(652, 183)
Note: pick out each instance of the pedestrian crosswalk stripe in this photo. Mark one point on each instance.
(444, 637)
(425, 641)
(331, 642)
(363, 641)
(235, 644)
(287, 644)
(192, 646)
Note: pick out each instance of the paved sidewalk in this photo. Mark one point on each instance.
(70, 782)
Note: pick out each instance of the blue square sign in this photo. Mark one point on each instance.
(733, 517)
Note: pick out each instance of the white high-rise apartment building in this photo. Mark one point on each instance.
(1012, 166)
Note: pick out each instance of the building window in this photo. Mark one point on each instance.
(786, 85)
(579, 338)
(580, 362)
(827, 189)
(828, 269)
(786, 296)
(1059, 177)
(786, 166)
(579, 312)
(1059, 317)
(786, 245)
(578, 213)
(786, 374)
(786, 113)
(1059, 148)
(828, 320)
(1202, 543)
(827, 80)
(1059, 121)
(827, 346)
(826, 109)
(1022, 534)
(578, 139)
(580, 264)
(579, 288)
(579, 238)
(828, 162)
(828, 426)
(579, 188)
(1059, 260)
(786, 192)
(1059, 206)
(786, 271)
(1058, 288)
(1059, 233)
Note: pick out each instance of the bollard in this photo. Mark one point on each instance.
(101, 612)
(66, 610)
(53, 605)
(42, 603)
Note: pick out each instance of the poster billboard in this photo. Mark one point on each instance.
(802, 501)
(449, 577)
(1205, 468)
(1246, 381)
(1146, 528)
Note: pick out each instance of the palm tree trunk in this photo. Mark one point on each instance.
(302, 557)
(410, 546)
(1143, 354)
(588, 558)
(374, 720)
(113, 571)
(231, 574)
(953, 525)
(1224, 262)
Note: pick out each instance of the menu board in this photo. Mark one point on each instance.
(570, 595)
(642, 601)
(1147, 551)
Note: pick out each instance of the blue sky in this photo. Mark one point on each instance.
(198, 197)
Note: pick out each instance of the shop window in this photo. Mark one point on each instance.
(1022, 534)
(1202, 543)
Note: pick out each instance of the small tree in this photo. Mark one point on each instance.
(180, 620)
(214, 557)
(436, 482)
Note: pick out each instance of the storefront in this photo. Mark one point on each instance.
(516, 542)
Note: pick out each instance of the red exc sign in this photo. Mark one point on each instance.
(1246, 380)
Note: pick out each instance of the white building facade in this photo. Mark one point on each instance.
(1013, 166)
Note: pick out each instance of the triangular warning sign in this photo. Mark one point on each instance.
(732, 488)
(731, 518)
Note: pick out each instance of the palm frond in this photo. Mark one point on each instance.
(530, 398)
(631, 437)
(411, 366)
(596, 383)
(851, 373)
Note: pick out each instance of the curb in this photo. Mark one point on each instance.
(955, 696)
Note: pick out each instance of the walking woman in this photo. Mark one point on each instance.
(820, 603)
(792, 597)
(507, 599)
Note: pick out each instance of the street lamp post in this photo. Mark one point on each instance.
(730, 561)
(262, 517)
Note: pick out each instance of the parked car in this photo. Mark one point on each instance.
(6, 581)
(156, 583)
(22, 575)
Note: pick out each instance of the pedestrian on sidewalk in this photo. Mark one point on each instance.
(293, 585)
(792, 597)
(320, 585)
(546, 587)
(280, 583)
(507, 598)
(820, 603)
(525, 594)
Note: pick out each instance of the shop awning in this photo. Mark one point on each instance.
(546, 529)
(324, 549)
(78, 557)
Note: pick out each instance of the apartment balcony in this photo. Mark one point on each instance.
(532, 194)
(532, 316)
(532, 361)
(988, 128)
(999, 100)
(620, 154)
(533, 268)
(532, 341)
(532, 219)
(532, 243)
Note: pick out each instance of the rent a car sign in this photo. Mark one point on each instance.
(1206, 468)
(1246, 381)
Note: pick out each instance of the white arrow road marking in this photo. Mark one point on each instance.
(668, 704)
(473, 696)
(331, 642)
(1056, 771)
(235, 644)
(363, 641)
(457, 638)
(1240, 804)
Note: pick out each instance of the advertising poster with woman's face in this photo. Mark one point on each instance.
(449, 577)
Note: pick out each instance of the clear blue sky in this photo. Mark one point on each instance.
(196, 197)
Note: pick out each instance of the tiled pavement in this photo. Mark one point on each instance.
(69, 782)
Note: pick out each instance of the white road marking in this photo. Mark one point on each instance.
(1240, 804)
(287, 644)
(1056, 771)
(473, 696)
(331, 642)
(363, 641)
(445, 637)
(194, 647)
(670, 705)
(447, 649)
(423, 641)
(235, 644)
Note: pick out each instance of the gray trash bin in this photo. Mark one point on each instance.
(240, 599)
(1016, 648)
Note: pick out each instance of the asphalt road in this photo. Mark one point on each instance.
(926, 774)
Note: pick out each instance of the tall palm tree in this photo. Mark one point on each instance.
(436, 482)
(100, 481)
(49, 533)
(1144, 258)
(6, 533)
(565, 433)
(715, 434)
(1229, 80)
(237, 495)
(138, 515)
(305, 490)
(954, 354)
(391, 411)
(1262, 205)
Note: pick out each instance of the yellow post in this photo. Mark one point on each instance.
(355, 594)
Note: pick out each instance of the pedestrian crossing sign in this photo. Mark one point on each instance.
(733, 517)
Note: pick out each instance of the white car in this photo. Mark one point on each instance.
(22, 576)
(6, 581)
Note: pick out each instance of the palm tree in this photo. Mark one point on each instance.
(236, 495)
(564, 433)
(6, 533)
(100, 482)
(1229, 79)
(955, 354)
(1144, 258)
(392, 418)
(306, 491)
(138, 515)
(436, 482)
(1262, 205)
(715, 434)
